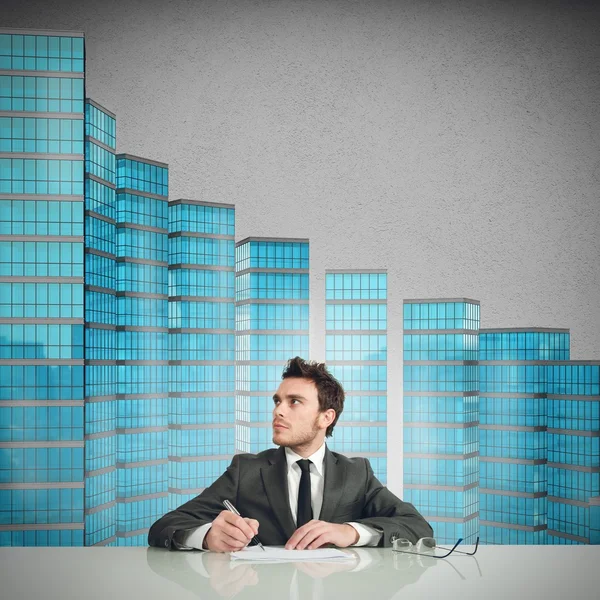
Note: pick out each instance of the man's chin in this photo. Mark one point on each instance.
(279, 439)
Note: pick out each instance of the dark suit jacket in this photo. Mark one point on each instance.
(257, 486)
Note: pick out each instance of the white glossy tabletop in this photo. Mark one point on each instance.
(505, 572)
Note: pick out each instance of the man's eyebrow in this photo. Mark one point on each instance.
(291, 396)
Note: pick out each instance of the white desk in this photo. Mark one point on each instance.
(506, 572)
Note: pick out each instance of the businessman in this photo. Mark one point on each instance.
(300, 495)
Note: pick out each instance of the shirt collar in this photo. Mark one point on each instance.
(317, 458)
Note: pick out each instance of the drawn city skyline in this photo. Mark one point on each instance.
(170, 369)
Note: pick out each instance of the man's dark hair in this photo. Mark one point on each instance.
(329, 390)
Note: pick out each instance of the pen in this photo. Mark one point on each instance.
(234, 510)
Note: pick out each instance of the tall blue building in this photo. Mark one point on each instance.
(271, 322)
(142, 346)
(201, 345)
(594, 503)
(441, 414)
(100, 326)
(574, 452)
(356, 353)
(514, 442)
(41, 288)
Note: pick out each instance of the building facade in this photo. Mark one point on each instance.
(594, 503)
(441, 415)
(513, 431)
(41, 288)
(356, 354)
(201, 345)
(100, 325)
(272, 325)
(142, 346)
(573, 452)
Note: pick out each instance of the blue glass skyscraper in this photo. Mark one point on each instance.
(142, 346)
(271, 322)
(356, 353)
(573, 452)
(100, 326)
(201, 345)
(441, 415)
(594, 503)
(513, 431)
(41, 288)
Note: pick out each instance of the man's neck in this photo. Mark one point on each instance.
(308, 449)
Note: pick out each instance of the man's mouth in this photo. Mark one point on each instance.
(279, 426)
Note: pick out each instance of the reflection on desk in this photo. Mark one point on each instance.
(123, 573)
(212, 575)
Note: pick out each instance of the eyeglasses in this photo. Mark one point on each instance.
(427, 547)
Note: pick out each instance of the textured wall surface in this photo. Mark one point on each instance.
(456, 144)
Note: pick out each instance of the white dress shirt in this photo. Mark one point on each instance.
(367, 536)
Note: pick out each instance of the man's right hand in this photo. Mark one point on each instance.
(230, 532)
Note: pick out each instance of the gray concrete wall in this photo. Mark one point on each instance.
(455, 143)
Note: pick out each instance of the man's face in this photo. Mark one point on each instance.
(297, 420)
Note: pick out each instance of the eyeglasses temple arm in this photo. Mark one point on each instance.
(466, 553)
(476, 546)
(452, 550)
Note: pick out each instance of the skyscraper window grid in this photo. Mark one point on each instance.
(272, 308)
(513, 431)
(356, 353)
(201, 347)
(20, 51)
(42, 94)
(100, 331)
(28, 134)
(441, 449)
(142, 358)
(41, 369)
(573, 452)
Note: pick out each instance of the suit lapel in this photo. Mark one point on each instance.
(335, 475)
(274, 477)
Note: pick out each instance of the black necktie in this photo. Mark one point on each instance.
(304, 504)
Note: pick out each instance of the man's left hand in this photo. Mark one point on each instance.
(318, 533)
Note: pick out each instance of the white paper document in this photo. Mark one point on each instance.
(276, 554)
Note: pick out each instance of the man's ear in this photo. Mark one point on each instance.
(328, 417)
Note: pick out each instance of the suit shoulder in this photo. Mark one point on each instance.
(352, 462)
(260, 457)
